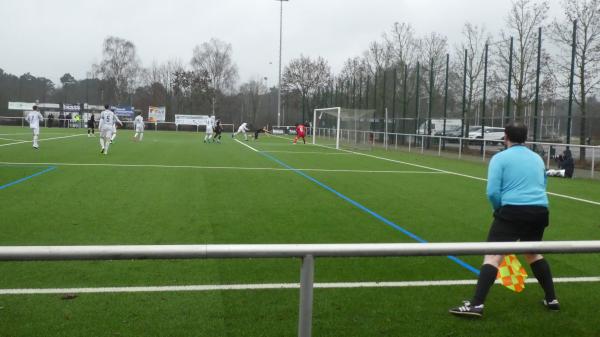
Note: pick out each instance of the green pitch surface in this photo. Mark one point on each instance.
(173, 189)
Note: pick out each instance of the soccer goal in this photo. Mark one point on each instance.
(338, 127)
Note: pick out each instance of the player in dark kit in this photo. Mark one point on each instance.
(90, 125)
(218, 129)
(300, 133)
(263, 130)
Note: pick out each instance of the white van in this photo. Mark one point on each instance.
(495, 134)
(437, 126)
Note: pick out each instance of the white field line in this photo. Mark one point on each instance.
(453, 173)
(11, 139)
(268, 286)
(255, 150)
(246, 145)
(29, 134)
(41, 140)
(218, 167)
(303, 152)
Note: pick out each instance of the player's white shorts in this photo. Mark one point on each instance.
(36, 131)
(209, 131)
(139, 129)
(114, 128)
(106, 132)
(242, 130)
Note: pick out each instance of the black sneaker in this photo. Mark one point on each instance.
(552, 305)
(102, 151)
(468, 310)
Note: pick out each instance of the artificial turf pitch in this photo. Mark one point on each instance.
(173, 189)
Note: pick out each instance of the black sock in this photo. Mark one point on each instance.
(541, 270)
(487, 276)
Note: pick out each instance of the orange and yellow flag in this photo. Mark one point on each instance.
(512, 274)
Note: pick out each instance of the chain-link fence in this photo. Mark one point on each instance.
(463, 148)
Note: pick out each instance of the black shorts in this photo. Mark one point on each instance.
(518, 223)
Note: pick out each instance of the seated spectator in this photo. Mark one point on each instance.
(565, 162)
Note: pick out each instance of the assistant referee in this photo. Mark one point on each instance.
(516, 188)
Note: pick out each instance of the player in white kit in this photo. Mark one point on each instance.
(107, 123)
(114, 132)
(210, 124)
(243, 128)
(138, 123)
(34, 118)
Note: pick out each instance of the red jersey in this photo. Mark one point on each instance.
(300, 129)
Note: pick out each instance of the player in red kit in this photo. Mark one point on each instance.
(300, 133)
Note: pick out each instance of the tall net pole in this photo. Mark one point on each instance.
(571, 80)
(280, 48)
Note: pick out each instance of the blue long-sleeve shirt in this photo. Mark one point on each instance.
(517, 176)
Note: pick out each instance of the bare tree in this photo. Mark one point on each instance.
(587, 52)
(434, 46)
(475, 39)
(402, 44)
(120, 65)
(214, 58)
(252, 92)
(378, 56)
(306, 76)
(354, 68)
(403, 47)
(524, 19)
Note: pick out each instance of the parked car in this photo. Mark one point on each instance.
(493, 134)
(454, 132)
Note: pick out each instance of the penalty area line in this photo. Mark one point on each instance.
(451, 173)
(15, 164)
(269, 286)
(41, 140)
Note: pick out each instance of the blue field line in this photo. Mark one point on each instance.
(48, 169)
(365, 209)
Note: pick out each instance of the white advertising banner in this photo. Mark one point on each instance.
(191, 119)
(93, 107)
(71, 107)
(156, 114)
(49, 106)
(20, 106)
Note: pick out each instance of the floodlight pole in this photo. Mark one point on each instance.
(280, 44)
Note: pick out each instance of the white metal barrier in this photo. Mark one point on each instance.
(128, 124)
(307, 252)
(419, 140)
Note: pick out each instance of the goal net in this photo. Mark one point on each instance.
(343, 128)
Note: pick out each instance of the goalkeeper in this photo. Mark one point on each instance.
(300, 133)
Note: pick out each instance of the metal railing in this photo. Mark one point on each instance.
(307, 252)
(484, 148)
(149, 126)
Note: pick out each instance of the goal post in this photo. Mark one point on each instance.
(338, 127)
(336, 111)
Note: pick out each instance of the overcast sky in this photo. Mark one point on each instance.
(50, 38)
